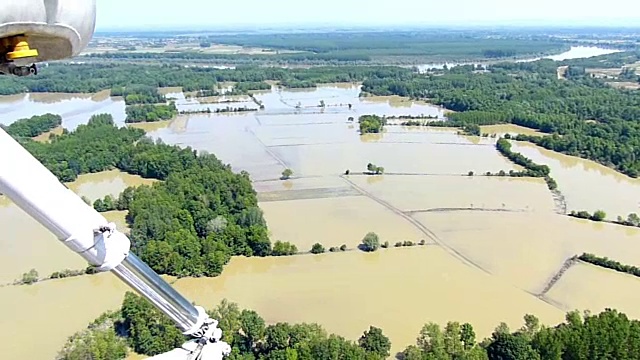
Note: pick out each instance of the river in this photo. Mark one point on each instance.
(575, 52)
(492, 244)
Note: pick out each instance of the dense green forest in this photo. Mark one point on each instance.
(150, 112)
(451, 45)
(33, 126)
(351, 47)
(90, 78)
(615, 60)
(191, 223)
(239, 59)
(586, 117)
(139, 326)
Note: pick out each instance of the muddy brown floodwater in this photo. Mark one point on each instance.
(580, 179)
(585, 286)
(25, 244)
(493, 244)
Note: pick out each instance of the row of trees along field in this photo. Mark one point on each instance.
(140, 327)
(90, 78)
(192, 222)
(587, 117)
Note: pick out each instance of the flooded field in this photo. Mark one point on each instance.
(326, 145)
(25, 244)
(425, 193)
(294, 131)
(304, 222)
(579, 180)
(434, 287)
(585, 286)
(527, 249)
(430, 285)
(98, 185)
(501, 130)
(61, 306)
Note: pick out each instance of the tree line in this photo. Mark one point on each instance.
(192, 222)
(586, 117)
(33, 126)
(598, 215)
(610, 264)
(91, 78)
(137, 325)
(531, 168)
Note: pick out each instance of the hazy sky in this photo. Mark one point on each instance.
(218, 13)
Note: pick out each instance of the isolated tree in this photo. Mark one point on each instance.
(322, 104)
(286, 174)
(633, 219)
(30, 277)
(371, 167)
(371, 242)
(374, 341)
(317, 248)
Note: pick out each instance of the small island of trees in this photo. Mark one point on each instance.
(371, 124)
(33, 126)
(374, 169)
(286, 174)
(150, 113)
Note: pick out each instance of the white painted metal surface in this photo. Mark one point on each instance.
(58, 29)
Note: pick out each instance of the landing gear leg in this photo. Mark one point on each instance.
(15, 53)
(12, 69)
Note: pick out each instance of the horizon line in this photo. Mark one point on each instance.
(529, 24)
